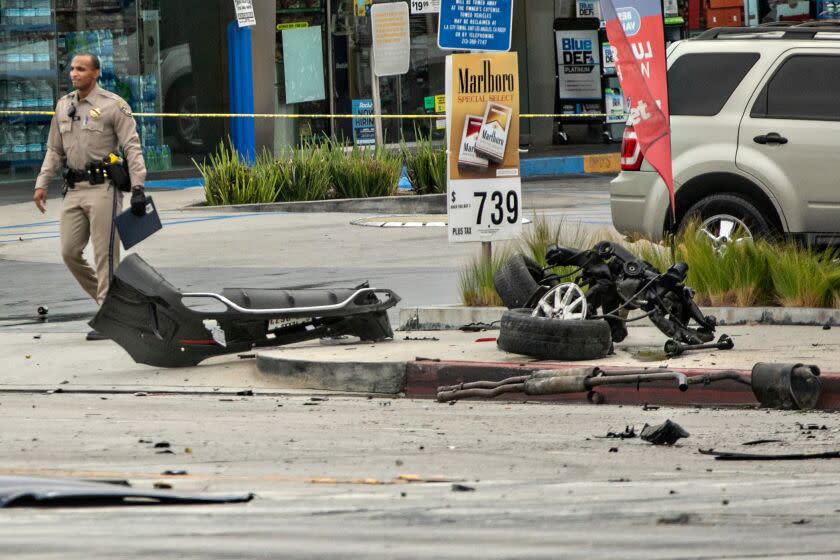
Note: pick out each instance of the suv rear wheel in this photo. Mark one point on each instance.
(727, 218)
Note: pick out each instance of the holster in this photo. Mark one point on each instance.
(117, 172)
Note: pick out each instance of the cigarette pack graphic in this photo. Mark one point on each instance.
(467, 157)
(492, 138)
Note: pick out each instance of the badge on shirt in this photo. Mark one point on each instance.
(95, 113)
(125, 109)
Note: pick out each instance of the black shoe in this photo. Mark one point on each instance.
(95, 335)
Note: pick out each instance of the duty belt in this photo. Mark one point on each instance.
(93, 174)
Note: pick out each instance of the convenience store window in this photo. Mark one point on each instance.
(145, 52)
(411, 93)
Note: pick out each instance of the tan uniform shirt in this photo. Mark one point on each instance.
(102, 124)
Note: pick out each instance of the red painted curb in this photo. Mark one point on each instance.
(423, 377)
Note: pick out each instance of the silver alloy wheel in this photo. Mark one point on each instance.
(564, 302)
(723, 229)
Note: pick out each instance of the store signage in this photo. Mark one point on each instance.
(440, 103)
(579, 64)
(475, 25)
(608, 58)
(391, 42)
(588, 8)
(424, 6)
(364, 133)
(292, 25)
(484, 190)
(362, 7)
(615, 107)
(634, 28)
(244, 13)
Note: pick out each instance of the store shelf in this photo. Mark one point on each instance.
(23, 74)
(5, 28)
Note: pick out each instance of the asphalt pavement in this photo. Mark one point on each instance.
(340, 475)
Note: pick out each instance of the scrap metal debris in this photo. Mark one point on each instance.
(17, 491)
(762, 441)
(477, 327)
(733, 456)
(462, 488)
(667, 433)
(431, 338)
(628, 433)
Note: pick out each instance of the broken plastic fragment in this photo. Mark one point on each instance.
(666, 433)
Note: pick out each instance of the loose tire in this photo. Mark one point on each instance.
(731, 208)
(517, 280)
(550, 339)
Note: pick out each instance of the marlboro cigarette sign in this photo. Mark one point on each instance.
(484, 188)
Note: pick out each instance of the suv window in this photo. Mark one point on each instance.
(700, 84)
(803, 87)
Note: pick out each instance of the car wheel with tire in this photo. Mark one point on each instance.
(550, 339)
(517, 280)
(727, 218)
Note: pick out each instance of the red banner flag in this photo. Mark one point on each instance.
(634, 29)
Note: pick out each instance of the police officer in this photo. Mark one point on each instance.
(88, 125)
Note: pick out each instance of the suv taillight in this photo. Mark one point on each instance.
(631, 151)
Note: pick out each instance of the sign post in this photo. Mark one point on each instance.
(391, 49)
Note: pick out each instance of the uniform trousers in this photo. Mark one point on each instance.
(88, 213)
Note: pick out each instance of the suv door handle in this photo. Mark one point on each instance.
(770, 138)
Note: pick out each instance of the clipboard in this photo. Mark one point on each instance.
(134, 229)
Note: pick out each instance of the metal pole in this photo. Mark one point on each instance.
(330, 66)
(377, 101)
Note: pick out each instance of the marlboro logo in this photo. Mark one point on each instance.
(485, 82)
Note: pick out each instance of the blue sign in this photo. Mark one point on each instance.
(475, 25)
(364, 132)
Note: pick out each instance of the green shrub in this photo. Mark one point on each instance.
(745, 274)
(426, 165)
(228, 180)
(802, 277)
(475, 281)
(310, 171)
(360, 172)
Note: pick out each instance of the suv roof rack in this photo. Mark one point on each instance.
(808, 30)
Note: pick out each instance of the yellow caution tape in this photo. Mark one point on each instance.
(305, 116)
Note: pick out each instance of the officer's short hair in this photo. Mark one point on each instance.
(92, 56)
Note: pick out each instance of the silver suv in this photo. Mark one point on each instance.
(755, 138)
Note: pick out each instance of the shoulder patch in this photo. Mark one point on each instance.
(125, 108)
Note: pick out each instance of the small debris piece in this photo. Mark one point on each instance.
(431, 338)
(802, 522)
(485, 340)
(163, 486)
(725, 502)
(452, 403)
(246, 393)
(666, 433)
(619, 480)
(162, 445)
(613, 449)
(65, 382)
(52, 391)
(43, 310)
(403, 494)
(398, 462)
(37, 337)
(28, 356)
(681, 519)
(319, 399)
(144, 441)
(247, 356)
(141, 394)
(462, 488)
(730, 456)
(174, 472)
(827, 326)
(650, 407)
(760, 441)
(422, 359)
(628, 433)
(310, 403)
(165, 452)
(188, 450)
